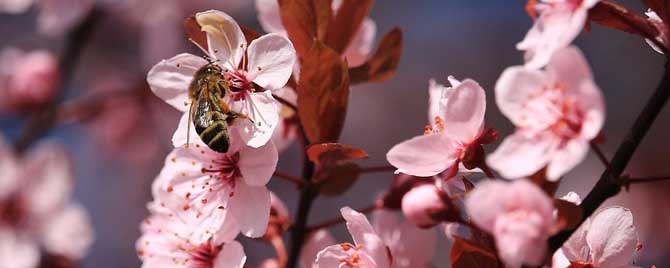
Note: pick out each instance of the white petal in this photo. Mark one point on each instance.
(231, 256)
(423, 156)
(251, 208)
(271, 60)
(48, 170)
(316, 241)
(16, 251)
(263, 113)
(170, 79)
(464, 113)
(519, 156)
(513, 89)
(566, 158)
(269, 16)
(612, 237)
(576, 248)
(225, 39)
(330, 257)
(365, 236)
(258, 164)
(69, 233)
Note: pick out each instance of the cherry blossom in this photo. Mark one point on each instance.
(368, 250)
(289, 123)
(454, 136)
(359, 47)
(557, 113)
(426, 205)
(559, 23)
(253, 71)
(55, 17)
(662, 32)
(167, 241)
(27, 78)
(606, 240)
(315, 242)
(410, 246)
(35, 210)
(518, 214)
(203, 186)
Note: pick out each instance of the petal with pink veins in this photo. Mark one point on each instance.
(258, 164)
(225, 39)
(514, 88)
(566, 157)
(170, 79)
(612, 237)
(423, 156)
(271, 60)
(365, 236)
(250, 206)
(464, 112)
(231, 256)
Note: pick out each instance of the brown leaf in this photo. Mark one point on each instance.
(249, 34)
(323, 94)
(468, 254)
(346, 23)
(335, 180)
(569, 215)
(383, 64)
(194, 32)
(618, 17)
(334, 153)
(305, 20)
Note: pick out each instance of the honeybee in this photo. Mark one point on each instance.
(211, 116)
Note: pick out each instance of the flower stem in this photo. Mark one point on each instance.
(339, 220)
(645, 180)
(601, 156)
(42, 121)
(290, 178)
(608, 186)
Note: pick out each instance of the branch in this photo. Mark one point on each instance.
(43, 120)
(340, 220)
(608, 185)
(630, 181)
(601, 156)
(290, 178)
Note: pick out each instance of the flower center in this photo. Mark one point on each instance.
(552, 109)
(439, 127)
(581, 264)
(11, 212)
(226, 170)
(240, 83)
(202, 256)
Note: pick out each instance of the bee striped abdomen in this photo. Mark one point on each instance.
(210, 123)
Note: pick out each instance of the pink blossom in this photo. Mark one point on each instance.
(57, 17)
(27, 79)
(662, 37)
(289, 123)
(202, 186)
(518, 214)
(368, 251)
(35, 209)
(425, 205)
(315, 242)
(559, 23)
(15, 6)
(168, 241)
(267, 65)
(557, 113)
(410, 246)
(455, 136)
(606, 240)
(356, 52)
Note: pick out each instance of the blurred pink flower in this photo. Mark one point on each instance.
(368, 251)
(202, 186)
(15, 6)
(35, 209)
(289, 124)
(559, 23)
(167, 241)
(316, 241)
(357, 51)
(424, 204)
(557, 113)
(27, 79)
(518, 214)
(662, 32)
(57, 17)
(455, 136)
(267, 65)
(410, 246)
(606, 240)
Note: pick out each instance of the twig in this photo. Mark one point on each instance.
(644, 180)
(607, 186)
(339, 220)
(285, 102)
(290, 178)
(601, 156)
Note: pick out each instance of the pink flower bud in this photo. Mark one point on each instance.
(401, 184)
(34, 80)
(426, 206)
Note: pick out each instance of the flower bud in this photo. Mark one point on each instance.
(401, 184)
(426, 206)
(34, 80)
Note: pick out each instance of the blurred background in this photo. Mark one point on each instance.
(119, 150)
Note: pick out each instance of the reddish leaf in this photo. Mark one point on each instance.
(346, 23)
(618, 17)
(658, 6)
(540, 179)
(323, 93)
(194, 32)
(335, 180)
(569, 215)
(468, 254)
(334, 153)
(383, 64)
(249, 34)
(304, 21)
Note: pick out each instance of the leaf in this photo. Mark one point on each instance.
(383, 64)
(658, 6)
(323, 94)
(336, 180)
(618, 17)
(334, 153)
(468, 254)
(346, 23)
(305, 20)
(249, 34)
(194, 32)
(569, 215)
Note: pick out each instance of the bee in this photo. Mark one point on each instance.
(211, 116)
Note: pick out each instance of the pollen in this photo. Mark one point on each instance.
(178, 65)
(439, 123)
(188, 194)
(186, 207)
(170, 189)
(204, 201)
(259, 68)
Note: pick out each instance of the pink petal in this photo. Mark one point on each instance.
(330, 257)
(69, 233)
(17, 251)
(263, 113)
(464, 112)
(514, 88)
(57, 17)
(258, 164)
(285, 133)
(576, 248)
(250, 206)
(521, 238)
(423, 156)
(170, 79)
(365, 236)
(553, 30)
(410, 246)
(361, 45)
(519, 156)
(316, 241)
(48, 170)
(225, 39)
(559, 260)
(181, 137)
(15, 6)
(439, 94)
(269, 16)
(271, 60)
(485, 203)
(612, 237)
(231, 256)
(566, 158)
